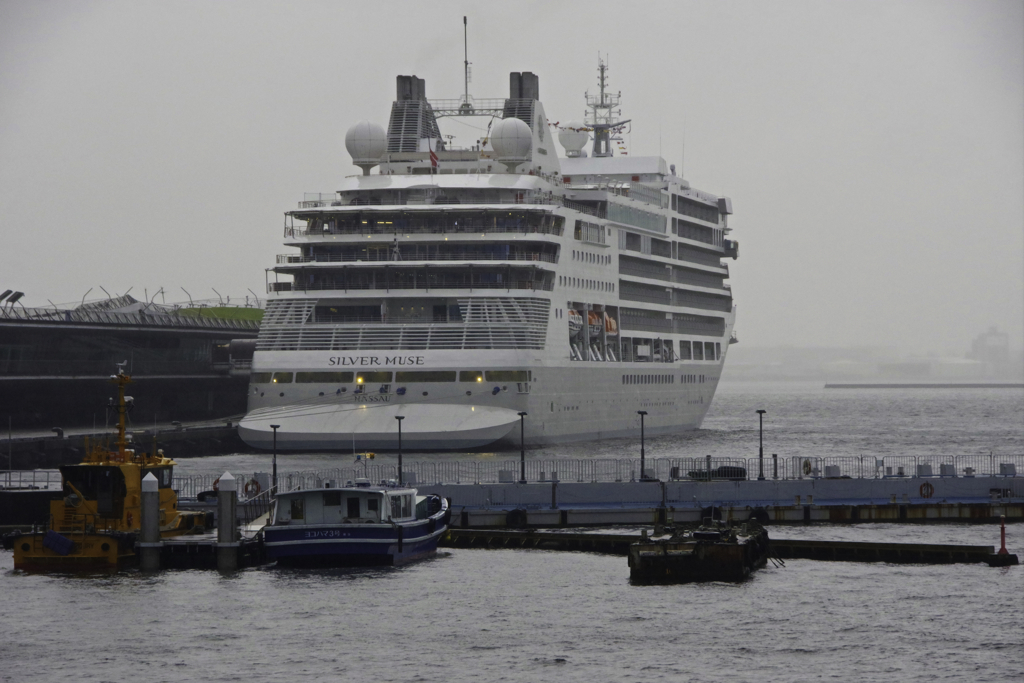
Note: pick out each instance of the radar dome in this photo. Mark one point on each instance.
(573, 138)
(366, 143)
(512, 141)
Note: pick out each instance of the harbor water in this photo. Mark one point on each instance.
(513, 615)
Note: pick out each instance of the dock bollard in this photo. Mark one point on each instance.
(227, 535)
(149, 544)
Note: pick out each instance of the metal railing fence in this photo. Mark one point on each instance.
(570, 470)
(30, 479)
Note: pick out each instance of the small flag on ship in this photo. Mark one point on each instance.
(433, 156)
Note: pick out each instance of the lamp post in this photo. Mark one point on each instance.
(400, 418)
(273, 483)
(760, 448)
(643, 474)
(522, 447)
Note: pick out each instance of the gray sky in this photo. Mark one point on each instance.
(874, 151)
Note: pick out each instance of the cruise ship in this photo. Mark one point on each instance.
(460, 298)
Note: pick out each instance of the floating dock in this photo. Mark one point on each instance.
(839, 551)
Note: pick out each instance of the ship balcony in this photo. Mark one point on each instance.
(439, 231)
(389, 257)
(429, 279)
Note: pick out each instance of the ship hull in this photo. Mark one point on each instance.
(351, 545)
(563, 403)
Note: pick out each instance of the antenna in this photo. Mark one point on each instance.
(465, 47)
(466, 107)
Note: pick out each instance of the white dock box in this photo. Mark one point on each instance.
(832, 471)
(1008, 469)
(947, 470)
(504, 476)
(924, 470)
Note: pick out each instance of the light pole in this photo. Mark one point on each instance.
(400, 418)
(643, 474)
(273, 483)
(760, 449)
(522, 448)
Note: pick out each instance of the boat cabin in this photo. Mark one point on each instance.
(345, 506)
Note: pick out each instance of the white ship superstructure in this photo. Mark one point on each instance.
(458, 289)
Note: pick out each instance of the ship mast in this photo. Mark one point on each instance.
(602, 115)
(466, 107)
(121, 380)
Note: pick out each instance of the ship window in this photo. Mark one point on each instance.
(328, 377)
(471, 376)
(282, 378)
(425, 376)
(508, 375)
(718, 350)
(353, 507)
(371, 505)
(163, 475)
(407, 506)
(709, 351)
(260, 378)
(396, 507)
(684, 350)
(698, 351)
(332, 499)
(364, 377)
(298, 510)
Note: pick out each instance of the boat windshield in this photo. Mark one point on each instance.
(103, 484)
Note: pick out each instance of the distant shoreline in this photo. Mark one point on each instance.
(936, 385)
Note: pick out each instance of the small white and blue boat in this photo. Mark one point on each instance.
(355, 525)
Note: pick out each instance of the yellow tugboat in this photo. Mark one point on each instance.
(94, 524)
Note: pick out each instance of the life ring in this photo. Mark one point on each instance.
(926, 490)
(807, 467)
(216, 484)
(252, 488)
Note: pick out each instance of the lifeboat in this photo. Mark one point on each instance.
(611, 328)
(575, 322)
(594, 323)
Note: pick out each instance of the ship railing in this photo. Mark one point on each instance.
(30, 479)
(462, 228)
(533, 285)
(527, 198)
(415, 258)
(583, 208)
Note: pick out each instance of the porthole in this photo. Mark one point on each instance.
(425, 393)
(281, 394)
(24, 547)
(321, 393)
(261, 393)
(469, 393)
(105, 547)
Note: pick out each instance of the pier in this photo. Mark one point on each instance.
(839, 551)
